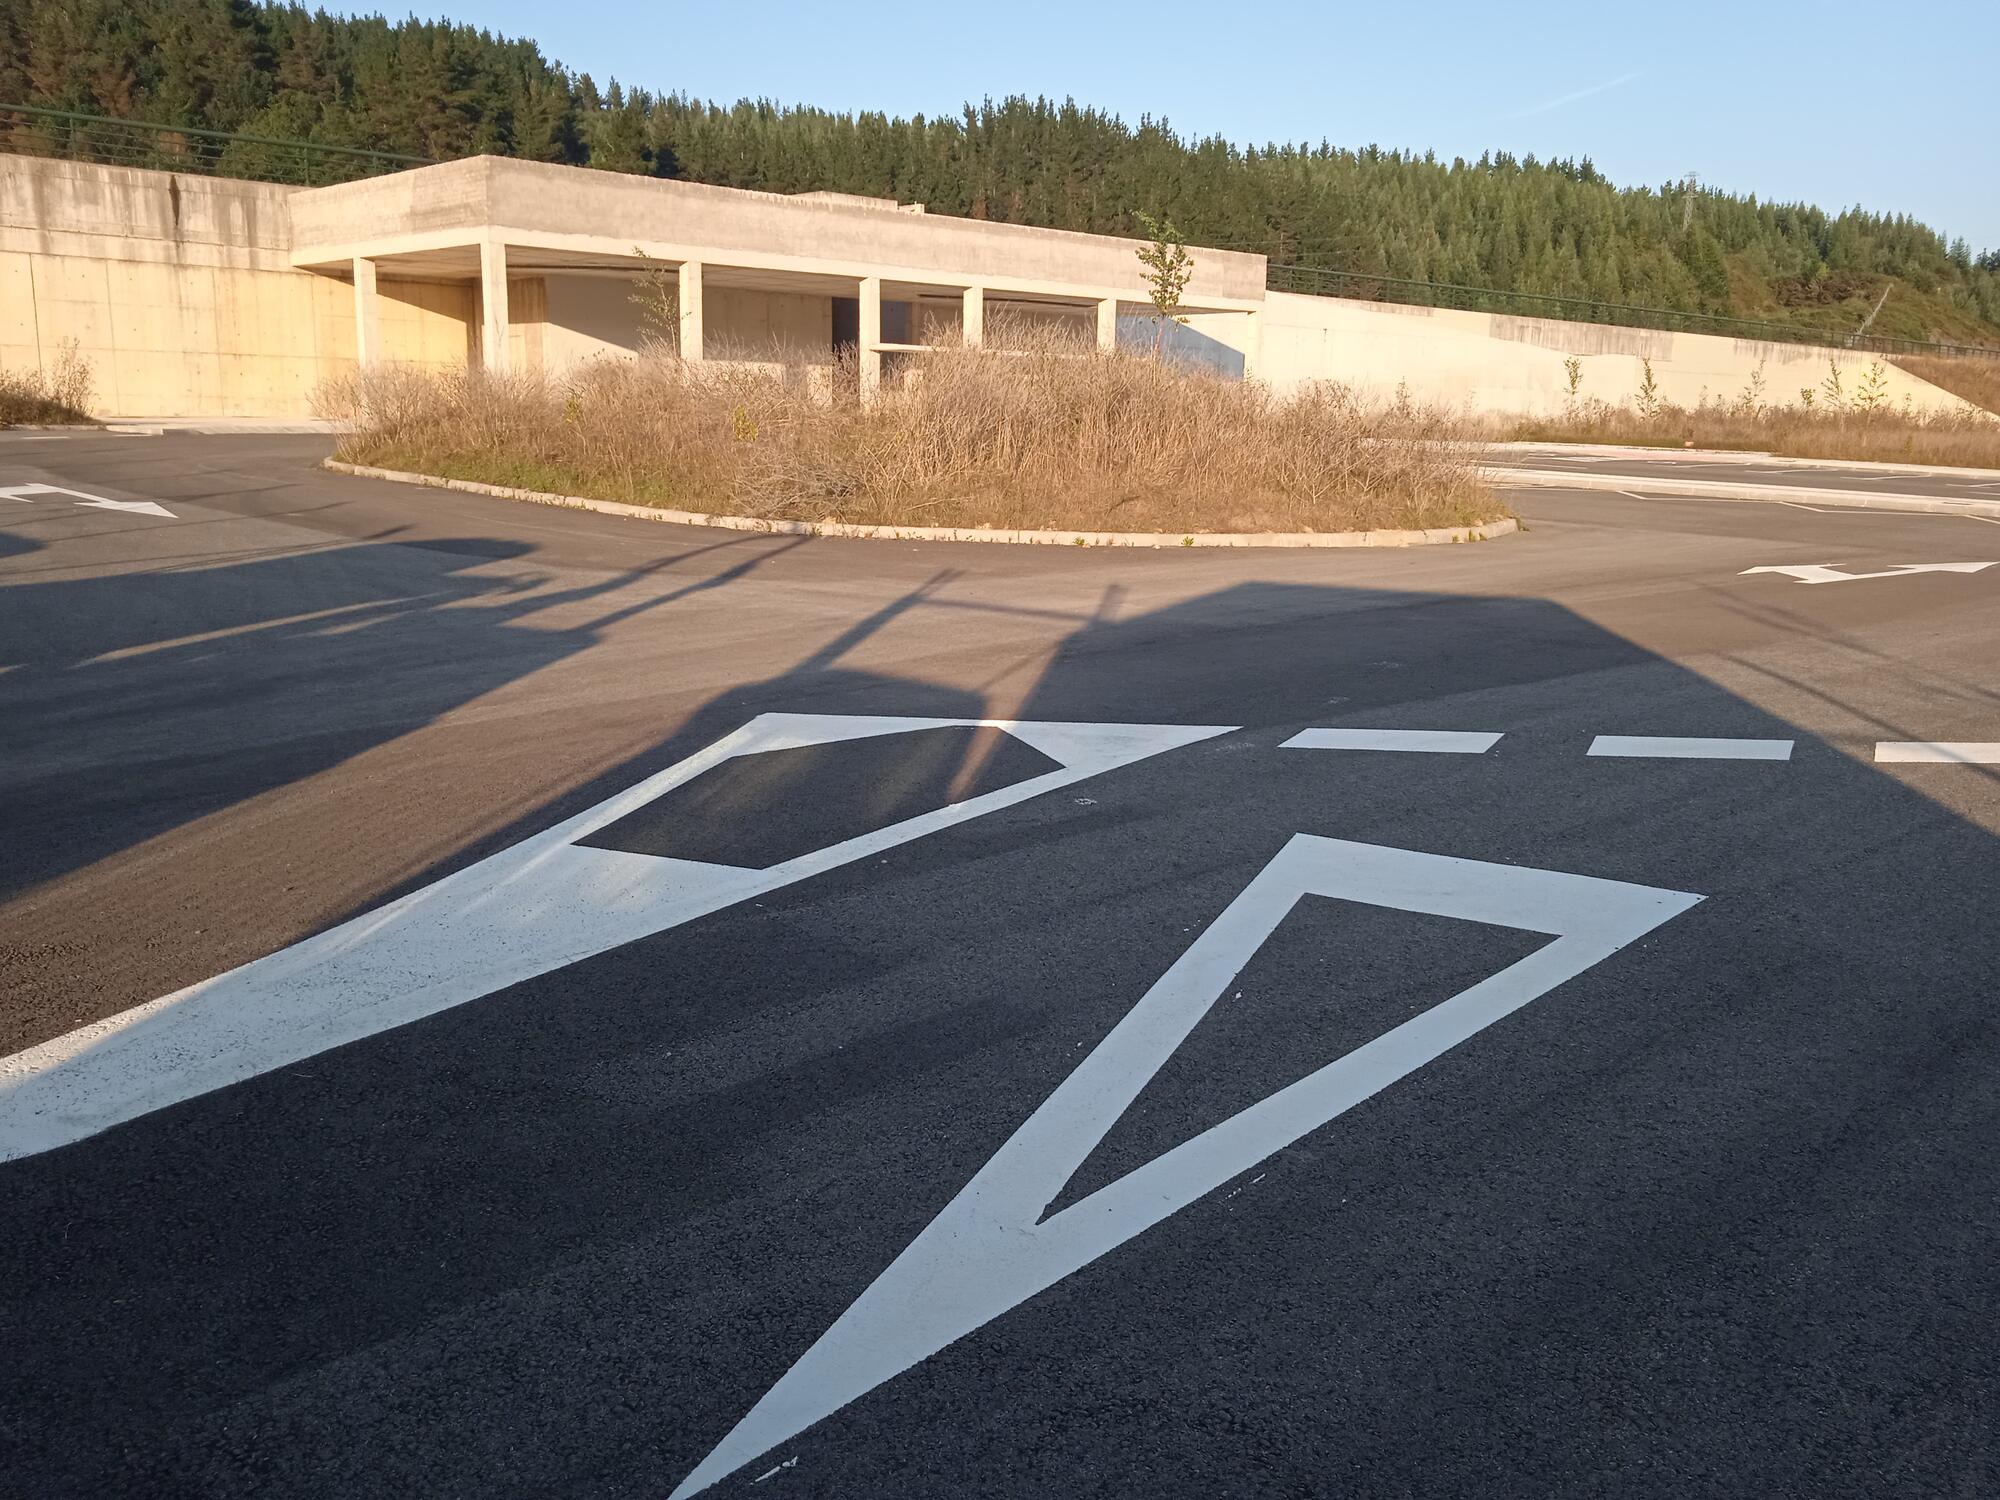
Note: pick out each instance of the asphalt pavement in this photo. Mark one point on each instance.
(1640, 470)
(502, 1001)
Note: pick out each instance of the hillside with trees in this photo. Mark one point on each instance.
(1558, 228)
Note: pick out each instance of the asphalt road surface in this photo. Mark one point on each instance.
(647, 1011)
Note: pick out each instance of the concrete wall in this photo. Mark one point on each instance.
(591, 316)
(187, 297)
(750, 324)
(1510, 366)
(180, 293)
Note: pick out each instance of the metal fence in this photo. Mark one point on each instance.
(1323, 283)
(28, 130)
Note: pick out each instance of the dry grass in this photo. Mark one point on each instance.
(1881, 434)
(62, 395)
(1974, 380)
(1038, 435)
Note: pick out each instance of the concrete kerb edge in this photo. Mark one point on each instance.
(1756, 494)
(1429, 537)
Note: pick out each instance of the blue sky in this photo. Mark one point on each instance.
(1833, 102)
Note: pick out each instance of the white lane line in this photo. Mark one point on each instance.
(1886, 515)
(1940, 752)
(1835, 510)
(1422, 741)
(543, 904)
(1677, 747)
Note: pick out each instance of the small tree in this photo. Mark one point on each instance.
(658, 298)
(1169, 268)
(1873, 392)
(1649, 390)
(1751, 402)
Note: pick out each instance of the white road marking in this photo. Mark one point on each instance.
(23, 492)
(1824, 573)
(1674, 747)
(543, 904)
(991, 1249)
(1420, 741)
(1883, 515)
(1834, 510)
(1939, 752)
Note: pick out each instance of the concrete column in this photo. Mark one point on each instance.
(869, 337)
(367, 316)
(974, 319)
(1107, 325)
(693, 311)
(1253, 345)
(493, 306)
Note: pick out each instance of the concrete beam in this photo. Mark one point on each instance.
(493, 306)
(974, 319)
(694, 311)
(870, 337)
(544, 203)
(1107, 326)
(367, 315)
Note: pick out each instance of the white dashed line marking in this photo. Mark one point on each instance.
(1940, 752)
(1421, 741)
(1673, 747)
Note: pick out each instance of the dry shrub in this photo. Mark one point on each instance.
(1847, 417)
(1039, 433)
(1968, 378)
(60, 395)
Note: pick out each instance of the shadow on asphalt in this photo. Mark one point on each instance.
(374, 641)
(1772, 1131)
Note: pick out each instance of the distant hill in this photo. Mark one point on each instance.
(1557, 227)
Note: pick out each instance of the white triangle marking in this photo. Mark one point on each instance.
(990, 1249)
(538, 906)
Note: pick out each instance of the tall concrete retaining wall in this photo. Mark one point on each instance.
(1508, 366)
(180, 293)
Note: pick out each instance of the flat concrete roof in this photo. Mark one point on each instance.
(429, 221)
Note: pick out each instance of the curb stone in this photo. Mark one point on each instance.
(1428, 537)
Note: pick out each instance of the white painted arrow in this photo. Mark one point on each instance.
(138, 507)
(22, 492)
(1823, 573)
